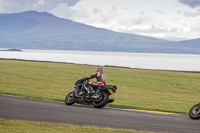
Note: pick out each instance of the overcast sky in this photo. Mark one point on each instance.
(156, 18)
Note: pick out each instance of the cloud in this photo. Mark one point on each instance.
(191, 3)
(13, 6)
(163, 12)
(158, 22)
(39, 3)
(191, 14)
(194, 11)
(62, 10)
(72, 2)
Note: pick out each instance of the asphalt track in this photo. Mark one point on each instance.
(20, 108)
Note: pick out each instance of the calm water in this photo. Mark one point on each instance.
(180, 62)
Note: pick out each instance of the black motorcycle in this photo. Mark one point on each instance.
(98, 97)
(195, 112)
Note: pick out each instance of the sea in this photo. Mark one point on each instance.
(153, 61)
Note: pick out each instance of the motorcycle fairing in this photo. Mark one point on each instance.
(108, 87)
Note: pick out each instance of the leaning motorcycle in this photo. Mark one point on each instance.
(98, 97)
(194, 112)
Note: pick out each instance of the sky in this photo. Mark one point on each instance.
(167, 19)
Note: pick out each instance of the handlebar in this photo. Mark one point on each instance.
(81, 81)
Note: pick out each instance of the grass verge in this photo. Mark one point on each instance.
(167, 91)
(17, 126)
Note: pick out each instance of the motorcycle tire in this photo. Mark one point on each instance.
(70, 98)
(194, 112)
(103, 102)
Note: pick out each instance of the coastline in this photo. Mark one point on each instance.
(145, 61)
(10, 49)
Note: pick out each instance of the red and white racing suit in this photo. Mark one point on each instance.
(100, 79)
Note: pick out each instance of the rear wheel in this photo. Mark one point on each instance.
(195, 112)
(70, 98)
(101, 101)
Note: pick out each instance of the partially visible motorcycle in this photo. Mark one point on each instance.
(98, 97)
(194, 112)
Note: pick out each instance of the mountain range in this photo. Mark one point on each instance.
(41, 30)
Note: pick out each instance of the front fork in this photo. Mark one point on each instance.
(87, 89)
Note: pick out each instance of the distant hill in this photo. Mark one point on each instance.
(41, 30)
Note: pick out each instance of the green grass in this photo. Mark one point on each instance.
(16, 126)
(167, 91)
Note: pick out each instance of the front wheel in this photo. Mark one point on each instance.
(70, 98)
(195, 112)
(101, 101)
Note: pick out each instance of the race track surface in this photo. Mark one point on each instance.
(20, 108)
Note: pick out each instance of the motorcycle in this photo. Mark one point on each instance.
(98, 96)
(194, 112)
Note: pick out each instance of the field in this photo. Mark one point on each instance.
(167, 91)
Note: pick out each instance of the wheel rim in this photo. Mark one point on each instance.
(70, 98)
(100, 99)
(196, 111)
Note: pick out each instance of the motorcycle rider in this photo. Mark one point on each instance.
(100, 80)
